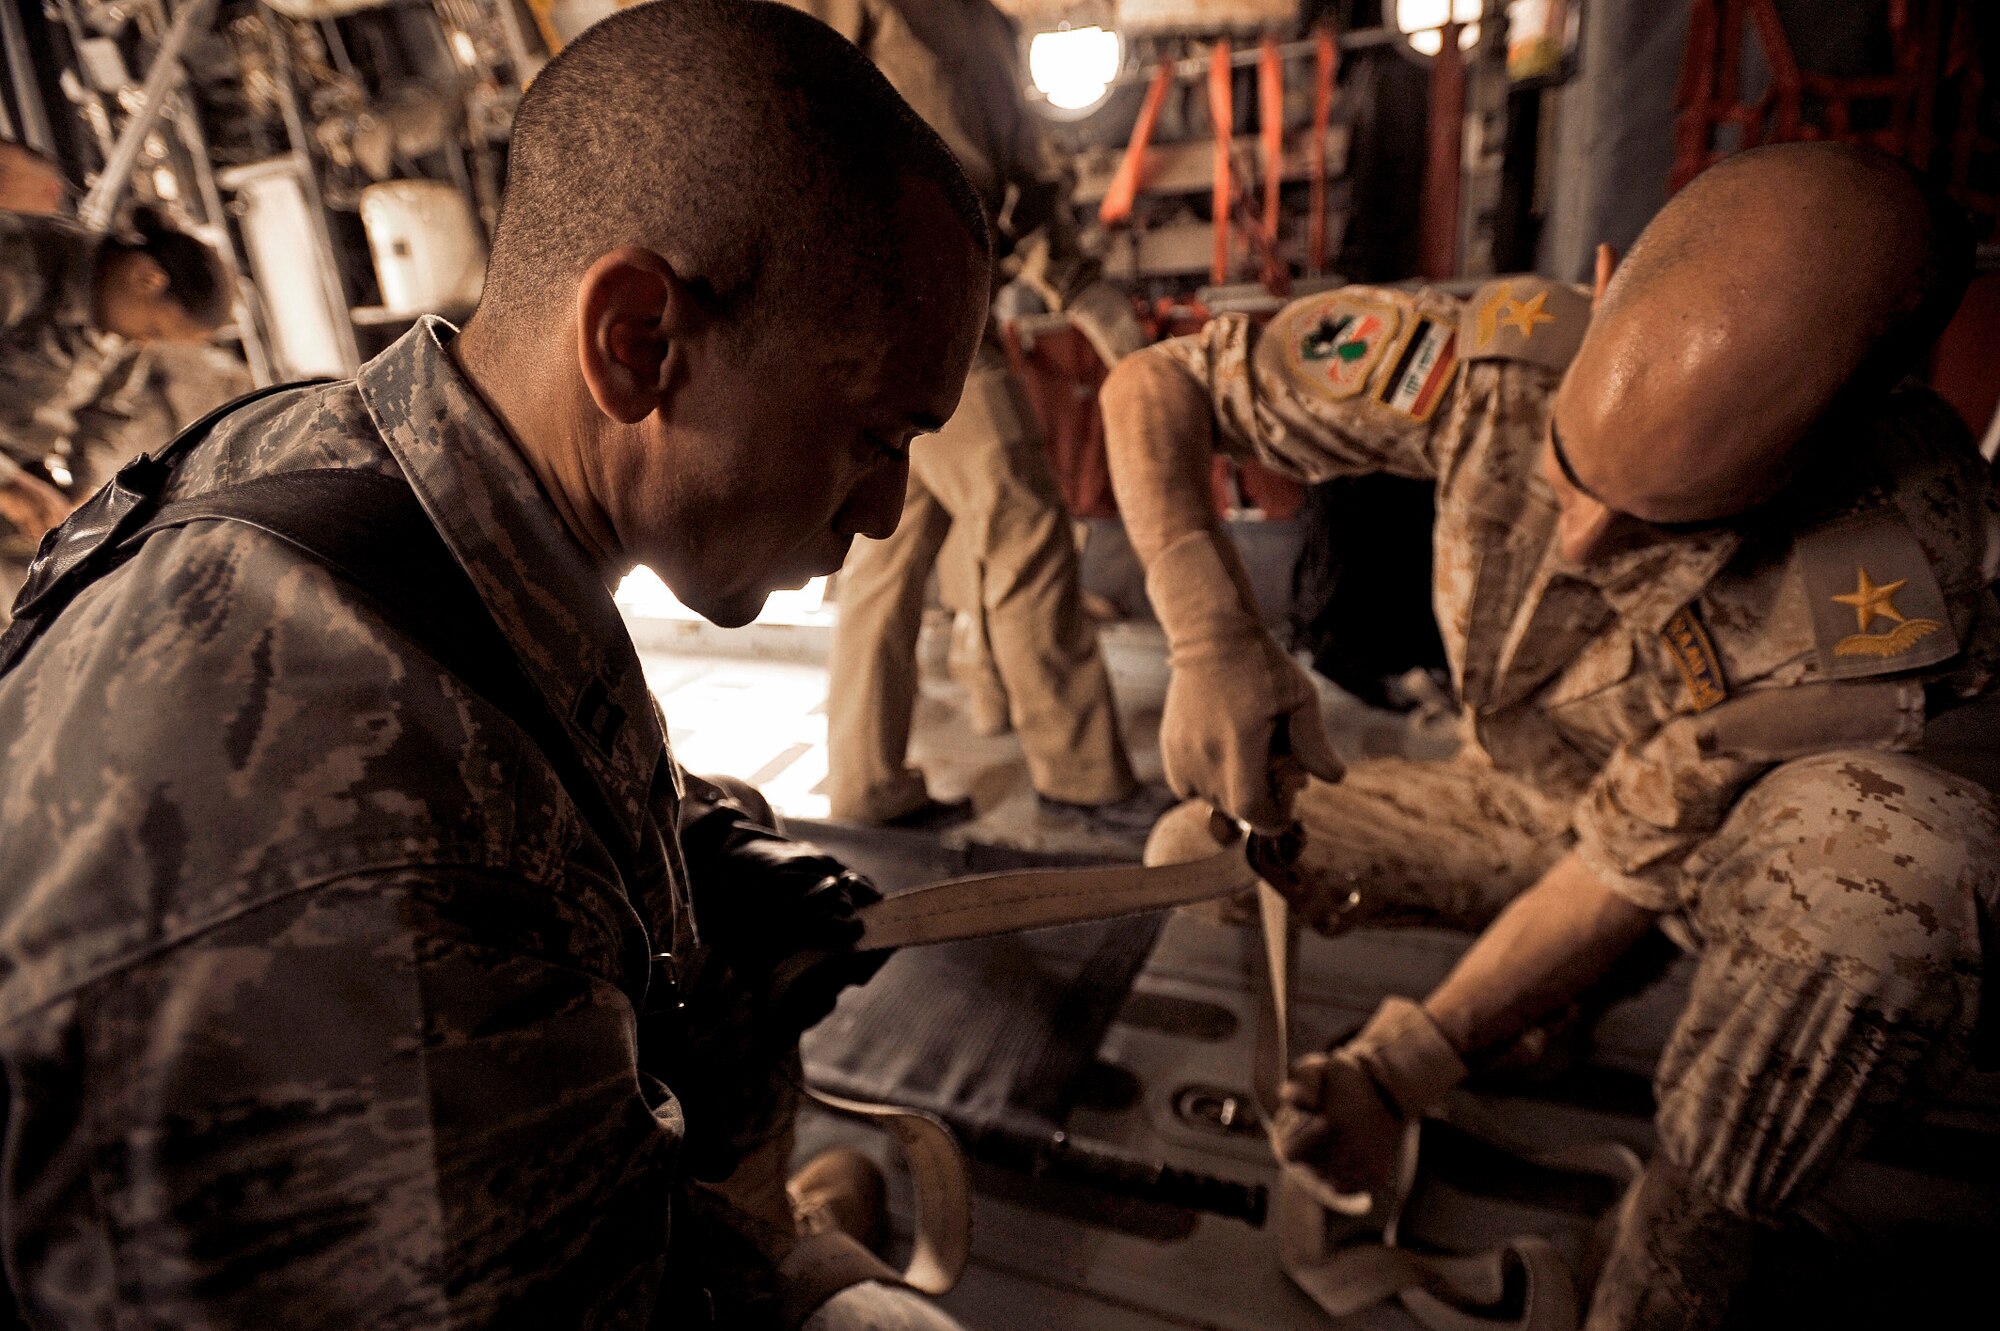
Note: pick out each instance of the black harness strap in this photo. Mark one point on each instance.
(366, 528)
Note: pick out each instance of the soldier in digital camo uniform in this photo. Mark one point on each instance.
(1715, 592)
(322, 1004)
(77, 310)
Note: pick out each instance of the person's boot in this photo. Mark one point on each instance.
(1677, 1261)
(842, 1189)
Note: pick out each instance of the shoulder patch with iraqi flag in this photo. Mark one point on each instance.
(1694, 654)
(1876, 607)
(1422, 369)
(1333, 345)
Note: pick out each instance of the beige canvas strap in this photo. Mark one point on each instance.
(974, 907)
(998, 903)
(1344, 1251)
(942, 1228)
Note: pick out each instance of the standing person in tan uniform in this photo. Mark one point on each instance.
(955, 62)
(1716, 591)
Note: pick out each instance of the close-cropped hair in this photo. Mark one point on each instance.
(751, 146)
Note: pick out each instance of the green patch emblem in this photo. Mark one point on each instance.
(1334, 347)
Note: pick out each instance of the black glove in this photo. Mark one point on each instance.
(782, 916)
(779, 920)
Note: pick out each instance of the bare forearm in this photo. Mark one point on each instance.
(1157, 429)
(1547, 947)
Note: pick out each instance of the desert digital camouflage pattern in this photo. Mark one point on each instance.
(320, 1003)
(1667, 713)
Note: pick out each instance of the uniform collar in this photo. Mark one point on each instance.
(534, 577)
(1648, 584)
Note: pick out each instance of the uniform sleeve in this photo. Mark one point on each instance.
(23, 283)
(1659, 798)
(1338, 384)
(375, 1104)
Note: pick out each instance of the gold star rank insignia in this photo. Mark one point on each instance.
(1525, 315)
(1876, 606)
(1489, 313)
(1871, 601)
(1523, 319)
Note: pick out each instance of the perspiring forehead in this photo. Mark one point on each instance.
(1747, 305)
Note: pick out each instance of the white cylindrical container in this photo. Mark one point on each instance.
(279, 238)
(429, 255)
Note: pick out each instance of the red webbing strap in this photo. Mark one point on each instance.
(1271, 124)
(1222, 116)
(1124, 191)
(1437, 214)
(1326, 62)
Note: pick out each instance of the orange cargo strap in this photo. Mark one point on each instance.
(1326, 64)
(1124, 191)
(1271, 123)
(1222, 116)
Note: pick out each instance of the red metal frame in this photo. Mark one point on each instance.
(1326, 65)
(1931, 44)
(1222, 118)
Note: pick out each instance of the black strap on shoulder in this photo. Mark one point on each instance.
(366, 528)
(85, 545)
(369, 529)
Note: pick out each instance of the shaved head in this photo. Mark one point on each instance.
(751, 147)
(1779, 282)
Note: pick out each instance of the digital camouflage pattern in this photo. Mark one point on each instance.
(1564, 676)
(319, 1001)
(1833, 883)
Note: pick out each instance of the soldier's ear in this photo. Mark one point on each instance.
(631, 307)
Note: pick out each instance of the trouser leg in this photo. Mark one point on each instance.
(989, 470)
(1837, 910)
(872, 674)
(1438, 843)
(971, 657)
(1400, 842)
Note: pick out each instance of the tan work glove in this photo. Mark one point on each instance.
(1241, 726)
(1344, 1112)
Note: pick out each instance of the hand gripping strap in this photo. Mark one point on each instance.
(1320, 1233)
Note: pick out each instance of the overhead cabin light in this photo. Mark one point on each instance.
(1073, 67)
(1420, 21)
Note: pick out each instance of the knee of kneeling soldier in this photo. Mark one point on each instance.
(1875, 860)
